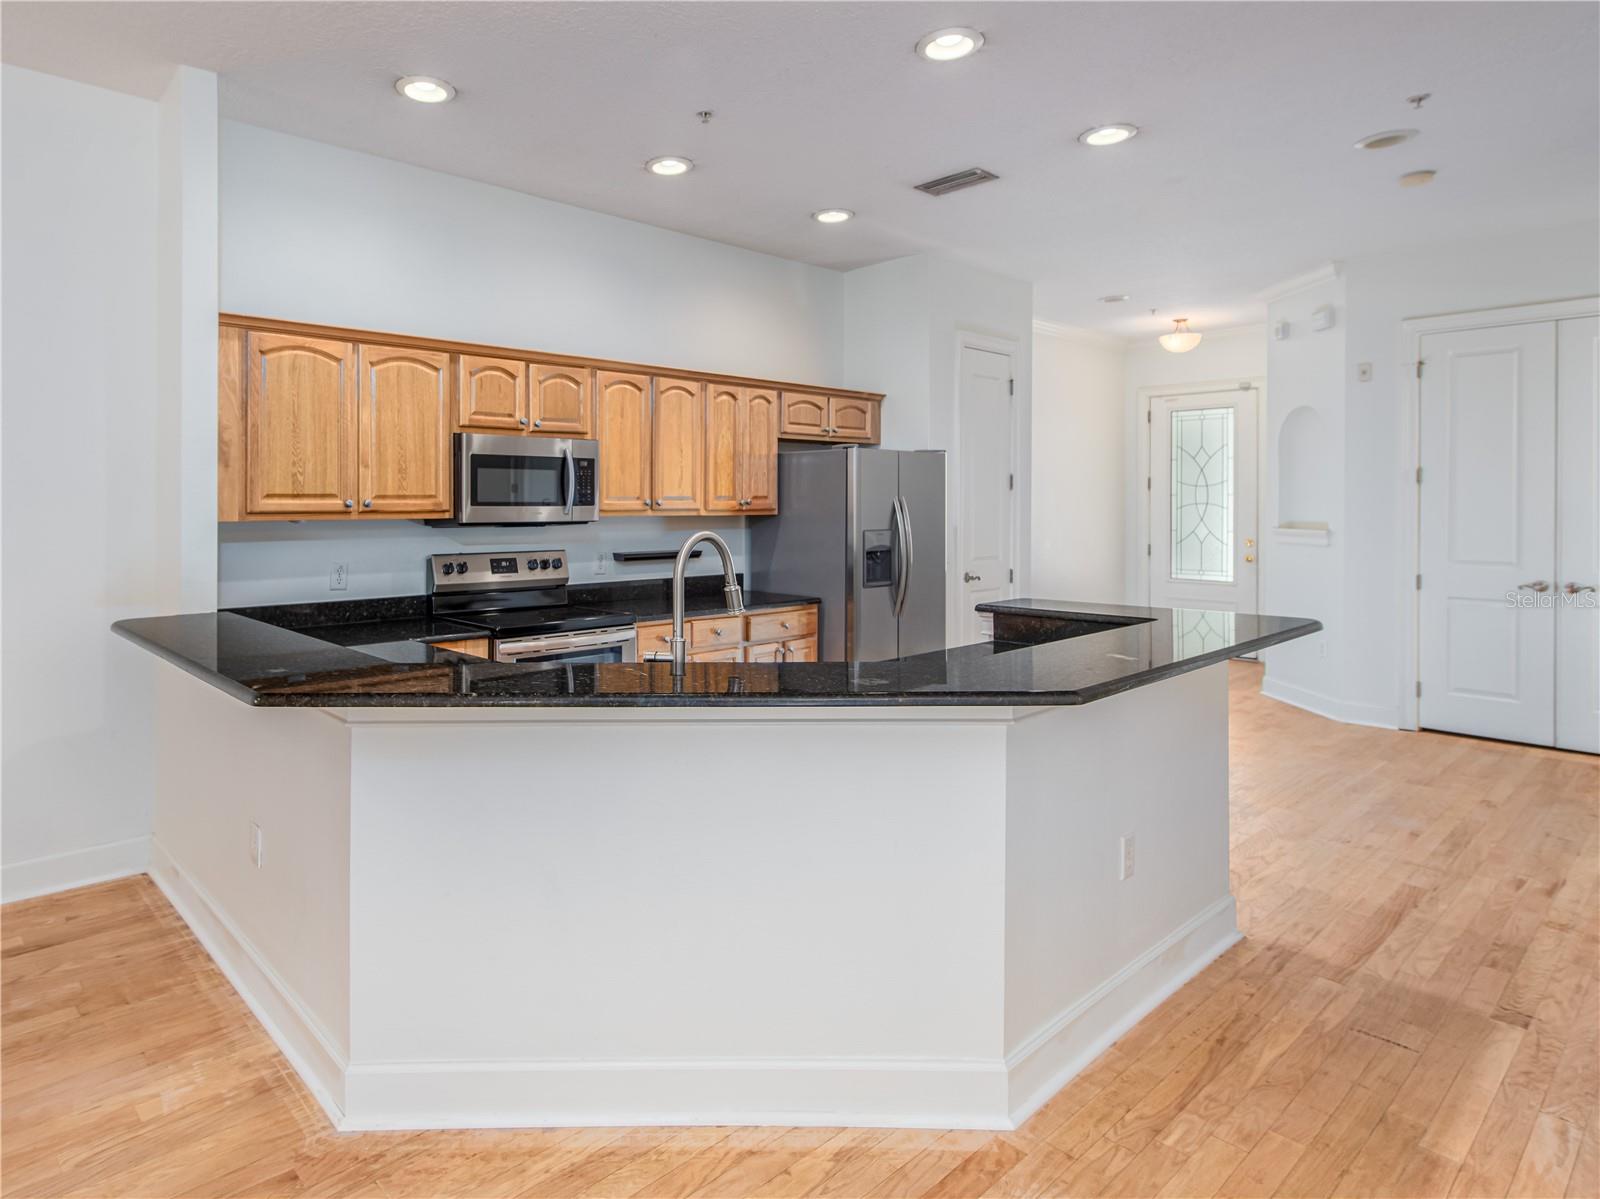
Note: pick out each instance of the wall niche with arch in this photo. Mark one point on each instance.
(1305, 478)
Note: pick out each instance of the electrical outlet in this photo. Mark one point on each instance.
(602, 563)
(340, 578)
(1125, 869)
(1363, 372)
(255, 844)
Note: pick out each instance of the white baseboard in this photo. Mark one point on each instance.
(299, 1035)
(76, 868)
(877, 1093)
(1048, 1059)
(1372, 715)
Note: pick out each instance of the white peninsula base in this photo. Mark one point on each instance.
(794, 915)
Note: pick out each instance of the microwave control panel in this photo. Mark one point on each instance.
(584, 486)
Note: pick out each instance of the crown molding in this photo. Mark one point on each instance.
(1093, 337)
(1298, 283)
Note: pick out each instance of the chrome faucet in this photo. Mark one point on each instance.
(730, 589)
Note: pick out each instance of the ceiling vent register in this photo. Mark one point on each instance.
(946, 184)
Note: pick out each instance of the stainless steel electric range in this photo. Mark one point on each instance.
(520, 599)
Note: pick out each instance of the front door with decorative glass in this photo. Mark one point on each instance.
(1202, 485)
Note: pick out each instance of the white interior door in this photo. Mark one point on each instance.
(1202, 483)
(983, 533)
(1488, 532)
(1578, 534)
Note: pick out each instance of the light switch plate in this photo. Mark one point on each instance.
(1363, 372)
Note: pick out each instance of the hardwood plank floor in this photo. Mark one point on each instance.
(1414, 1012)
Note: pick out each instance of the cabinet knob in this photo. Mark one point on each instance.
(646, 503)
(366, 503)
(349, 503)
(784, 624)
(523, 421)
(538, 424)
(716, 632)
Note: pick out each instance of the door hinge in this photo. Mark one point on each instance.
(1147, 416)
(1147, 549)
(1011, 387)
(1011, 576)
(1419, 688)
(1147, 482)
(1011, 482)
(1419, 368)
(1419, 476)
(1419, 582)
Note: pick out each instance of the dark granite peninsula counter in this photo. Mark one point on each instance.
(1044, 652)
(470, 865)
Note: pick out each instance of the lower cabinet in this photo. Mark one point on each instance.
(781, 635)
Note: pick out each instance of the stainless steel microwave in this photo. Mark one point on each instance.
(525, 480)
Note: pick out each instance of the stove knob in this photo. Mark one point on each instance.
(461, 568)
(544, 563)
(533, 564)
(449, 568)
(556, 562)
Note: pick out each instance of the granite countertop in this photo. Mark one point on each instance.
(1045, 652)
(650, 608)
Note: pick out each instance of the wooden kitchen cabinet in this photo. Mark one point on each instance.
(403, 427)
(491, 394)
(677, 441)
(771, 651)
(730, 654)
(779, 635)
(741, 450)
(558, 400)
(622, 402)
(800, 649)
(299, 422)
(813, 416)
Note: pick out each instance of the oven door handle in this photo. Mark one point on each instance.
(572, 480)
(562, 642)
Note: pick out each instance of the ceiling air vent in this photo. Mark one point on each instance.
(954, 183)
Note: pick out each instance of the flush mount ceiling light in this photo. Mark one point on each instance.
(832, 216)
(1108, 135)
(1382, 141)
(1181, 340)
(669, 164)
(424, 89)
(1113, 299)
(947, 45)
(1417, 178)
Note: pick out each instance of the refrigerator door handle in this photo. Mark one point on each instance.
(902, 518)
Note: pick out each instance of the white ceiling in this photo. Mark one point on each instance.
(1243, 175)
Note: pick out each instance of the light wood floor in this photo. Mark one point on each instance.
(1413, 1013)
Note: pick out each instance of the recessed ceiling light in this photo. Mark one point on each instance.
(425, 89)
(947, 45)
(832, 216)
(1417, 178)
(1382, 141)
(1112, 299)
(669, 164)
(1107, 135)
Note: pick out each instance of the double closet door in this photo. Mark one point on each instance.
(1510, 453)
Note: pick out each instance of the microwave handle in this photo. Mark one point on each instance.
(572, 480)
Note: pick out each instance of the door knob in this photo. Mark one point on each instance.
(968, 577)
(1575, 588)
(1536, 585)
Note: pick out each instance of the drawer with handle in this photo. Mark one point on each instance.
(654, 637)
(781, 626)
(711, 631)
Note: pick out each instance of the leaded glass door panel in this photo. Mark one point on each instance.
(1204, 549)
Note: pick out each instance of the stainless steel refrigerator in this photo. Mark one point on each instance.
(862, 529)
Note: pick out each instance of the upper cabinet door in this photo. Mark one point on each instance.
(759, 445)
(676, 478)
(805, 414)
(404, 426)
(559, 399)
(724, 461)
(299, 424)
(623, 402)
(491, 394)
(852, 419)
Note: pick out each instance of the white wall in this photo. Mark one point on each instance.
(93, 528)
(378, 244)
(904, 321)
(1226, 355)
(1077, 465)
